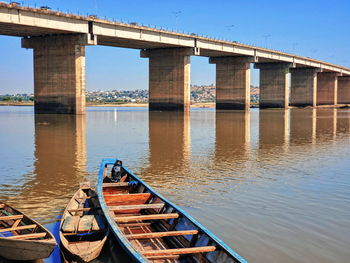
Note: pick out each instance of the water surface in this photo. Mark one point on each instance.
(273, 184)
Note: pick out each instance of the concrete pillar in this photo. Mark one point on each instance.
(169, 78)
(274, 92)
(344, 90)
(232, 82)
(59, 73)
(303, 89)
(327, 88)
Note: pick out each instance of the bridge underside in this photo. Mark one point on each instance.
(58, 41)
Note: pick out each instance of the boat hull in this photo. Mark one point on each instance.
(22, 245)
(84, 251)
(25, 250)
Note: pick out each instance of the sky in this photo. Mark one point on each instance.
(317, 29)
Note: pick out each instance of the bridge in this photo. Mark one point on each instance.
(58, 41)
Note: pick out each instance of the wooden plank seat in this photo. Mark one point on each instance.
(121, 184)
(83, 209)
(163, 257)
(162, 234)
(132, 207)
(135, 224)
(86, 223)
(178, 251)
(70, 224)
(145, 217)
(127, 199)
(18, 228)
(28, 236)
(11, 217)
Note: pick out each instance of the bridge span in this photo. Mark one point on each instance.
(58, 41)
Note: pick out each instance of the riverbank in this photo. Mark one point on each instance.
(194, 105)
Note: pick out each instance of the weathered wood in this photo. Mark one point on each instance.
(163, 257)
(70, 224)
(13, 217)
(90, 232)
(179, 251)
(115, 184)
(83, 209)
(127, 199)
(85, 223)
(134, 224)
(145, 217)
(98, 223)
(18, 228)
(131, 207)
(28, 236)
(84, 248)
(162, 234)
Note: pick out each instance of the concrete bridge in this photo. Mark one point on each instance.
(58, 41)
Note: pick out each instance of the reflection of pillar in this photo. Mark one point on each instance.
(273, 128)
(60, 160)
(302, 126)
(326, 126)
(169, 144)
(343, 121)
(232, 136)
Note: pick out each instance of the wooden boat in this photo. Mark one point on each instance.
(151, 228)
(22, 238)
(83, 229)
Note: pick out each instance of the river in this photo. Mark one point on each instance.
(273, 184)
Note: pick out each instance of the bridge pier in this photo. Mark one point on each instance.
(59, 73)
(232, 82)
(303, 86)
(327, 88)
(169, 78)
(344, 90)
(274, 92)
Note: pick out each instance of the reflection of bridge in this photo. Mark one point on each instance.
(174, 157)
(59, 166)
(59, 41)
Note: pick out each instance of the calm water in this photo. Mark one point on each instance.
(274, 184)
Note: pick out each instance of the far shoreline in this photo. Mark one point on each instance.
(193, 105)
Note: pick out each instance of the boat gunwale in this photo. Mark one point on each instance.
(121, 237)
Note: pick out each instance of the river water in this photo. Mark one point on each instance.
(273, 184)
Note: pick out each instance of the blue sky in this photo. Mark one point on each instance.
(318, 29)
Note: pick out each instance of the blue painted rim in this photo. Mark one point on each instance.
(124, 242)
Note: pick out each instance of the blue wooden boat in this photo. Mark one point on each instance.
(149, 227)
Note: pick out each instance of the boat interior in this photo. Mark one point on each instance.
(14, 225)
(155, 228)
(83, 219)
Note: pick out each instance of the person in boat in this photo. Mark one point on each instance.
(117, 171)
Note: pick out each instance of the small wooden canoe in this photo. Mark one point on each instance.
(83, 229)
(22, 238)
(149, 227)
